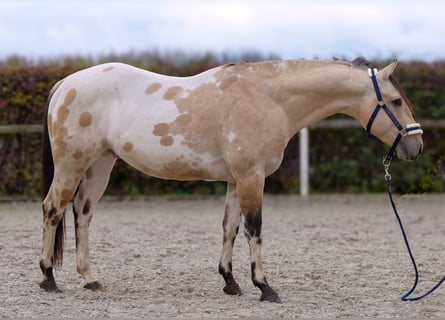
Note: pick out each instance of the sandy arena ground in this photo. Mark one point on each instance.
(327, 256)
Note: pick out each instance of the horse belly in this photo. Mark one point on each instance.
(175, 162)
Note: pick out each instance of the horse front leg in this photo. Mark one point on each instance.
(250, 193)
(231, 222)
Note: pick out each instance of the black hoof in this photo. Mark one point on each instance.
(94, 286)
(270, 295)
(49, 286)
(233, 289)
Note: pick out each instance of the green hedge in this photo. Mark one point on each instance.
(341, 160)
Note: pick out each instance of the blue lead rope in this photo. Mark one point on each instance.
(406, 297)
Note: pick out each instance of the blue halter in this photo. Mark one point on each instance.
(413, 128)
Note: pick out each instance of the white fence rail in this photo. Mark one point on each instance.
(20, 128)
(303, 139)
(338, 124)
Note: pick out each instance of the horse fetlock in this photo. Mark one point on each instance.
(45, 264)
(258, 277)
(48, 283)
(267, 293)
(83, 268)
(231, 287)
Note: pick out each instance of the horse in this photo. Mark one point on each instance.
(230, 123)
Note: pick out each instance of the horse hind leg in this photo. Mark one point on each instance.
(250, 193)
(59, 195)
(90, 190)
(231, 222)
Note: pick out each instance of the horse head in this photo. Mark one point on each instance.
(387, 114)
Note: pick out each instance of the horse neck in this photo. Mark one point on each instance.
(309, 91)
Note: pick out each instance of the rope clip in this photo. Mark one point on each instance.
(386, 165)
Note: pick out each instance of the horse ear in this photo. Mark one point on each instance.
(389, 69)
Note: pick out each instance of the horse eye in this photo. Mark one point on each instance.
(397, 102)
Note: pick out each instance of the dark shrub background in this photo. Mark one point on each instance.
(344, 160)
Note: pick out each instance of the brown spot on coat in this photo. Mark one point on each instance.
(60, 144)
(166, 141)
(62, 115)
(70, 96)
(77, 155)
(152, 88)
(128, 147)
(57, 131)
(183, 119)
(161, 129)
(172, 92)
(107, 69)
(85, 119)
(66, 194)
(183, 170)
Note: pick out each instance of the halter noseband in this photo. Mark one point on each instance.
(411, 129)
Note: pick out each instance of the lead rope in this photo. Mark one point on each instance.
(405, 297)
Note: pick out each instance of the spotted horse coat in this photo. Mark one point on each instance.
(230, 123)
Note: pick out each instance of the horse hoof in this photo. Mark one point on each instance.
(270, 295)
(49, 286)
(94, 286)
(233, 290)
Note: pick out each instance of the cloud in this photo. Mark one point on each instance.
(287, 28)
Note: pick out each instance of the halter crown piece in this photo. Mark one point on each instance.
(411, 129)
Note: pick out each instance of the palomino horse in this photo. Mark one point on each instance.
(230, 123)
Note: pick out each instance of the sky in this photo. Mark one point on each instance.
(289, 29)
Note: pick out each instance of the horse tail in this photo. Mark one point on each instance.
(47, 179)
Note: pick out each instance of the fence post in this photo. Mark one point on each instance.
(304, 161)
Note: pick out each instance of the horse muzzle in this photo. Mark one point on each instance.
(410, 147)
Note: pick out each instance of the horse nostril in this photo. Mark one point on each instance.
(420, 149)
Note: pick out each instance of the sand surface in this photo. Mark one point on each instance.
(327, 256)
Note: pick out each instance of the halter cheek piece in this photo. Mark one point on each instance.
(411, 129)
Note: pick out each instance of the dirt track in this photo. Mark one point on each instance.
(327, 256)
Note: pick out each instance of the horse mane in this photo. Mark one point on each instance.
(359, 62)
